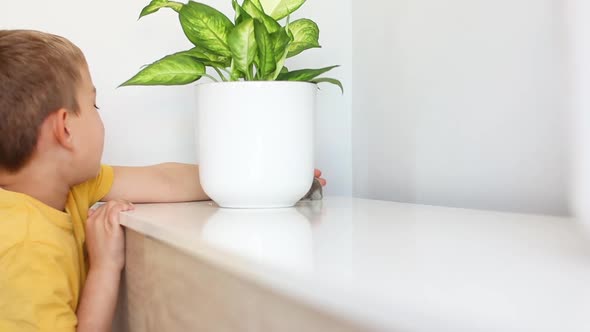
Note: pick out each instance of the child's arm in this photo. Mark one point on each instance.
(169, 182)
(105, 242)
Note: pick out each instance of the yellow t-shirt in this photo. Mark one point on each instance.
(43, 261)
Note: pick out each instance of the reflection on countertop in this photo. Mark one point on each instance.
(394, 265)
(279, 237)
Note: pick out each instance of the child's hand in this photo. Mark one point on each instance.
(318, 175)
(315, 192)
(104, 236)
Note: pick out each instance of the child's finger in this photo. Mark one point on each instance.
(317, 173)
(125, 205)
(116, 209)
(97, 215)
(92, 211)
(323, 182)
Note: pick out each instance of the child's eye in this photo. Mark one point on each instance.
(97, 108)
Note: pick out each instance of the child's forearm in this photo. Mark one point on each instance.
(168, 182)
(183, 181)
(98, 301)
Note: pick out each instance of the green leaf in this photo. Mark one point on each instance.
(266, 57)
(279, 9)
(206, 27)
(241, 14)
(258, 4)
(329, 80)
(270, 23)
(280, 41)
(173, 69)
(235, 74)
(207, 58)
(306, 35)
(155, 5)
(242, 43)
(304, 75)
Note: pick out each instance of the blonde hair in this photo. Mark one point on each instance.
(39, 74)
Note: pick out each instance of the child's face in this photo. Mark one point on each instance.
(88, 130)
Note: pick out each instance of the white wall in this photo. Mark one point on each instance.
(146, 125)
(456, 102)
(461, 103)
(579, 29)
(333, 121)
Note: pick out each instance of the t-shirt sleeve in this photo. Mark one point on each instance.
(97, 188)
(35, 291)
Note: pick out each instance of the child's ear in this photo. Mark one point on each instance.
(61, 128)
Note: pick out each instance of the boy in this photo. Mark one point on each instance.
(60, 264)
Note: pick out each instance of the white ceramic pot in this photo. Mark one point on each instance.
(256, 142)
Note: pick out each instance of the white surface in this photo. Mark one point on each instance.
(146, 125)
(461, 103)
(256, 142)
(579, 28)
(395, 266)
(333, 152)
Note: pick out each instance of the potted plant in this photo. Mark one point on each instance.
(255, 120)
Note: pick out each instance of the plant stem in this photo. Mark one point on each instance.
(176, 6)
(223, 78)
(250, 73)
(211, 77)
(258, 76)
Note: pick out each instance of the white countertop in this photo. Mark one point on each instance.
(394, 266)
